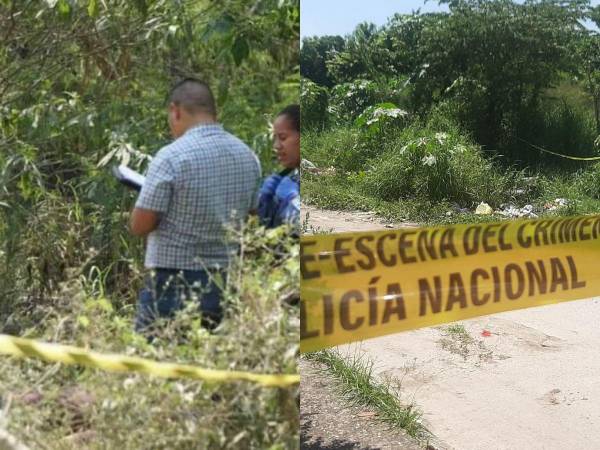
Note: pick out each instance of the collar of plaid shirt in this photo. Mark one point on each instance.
(203, 128)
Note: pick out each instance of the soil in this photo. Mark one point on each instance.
(320, 220)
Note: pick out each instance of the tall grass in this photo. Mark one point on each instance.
(417, 163)
(421, 163)
(558, 127)
(53, 407)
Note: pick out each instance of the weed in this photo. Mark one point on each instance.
(356, 382)
(259, 334)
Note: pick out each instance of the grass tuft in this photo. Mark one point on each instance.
(357, 384)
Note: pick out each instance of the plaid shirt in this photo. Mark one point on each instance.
(203, 185)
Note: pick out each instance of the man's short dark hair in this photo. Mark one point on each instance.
(194, 96)
(292, 112)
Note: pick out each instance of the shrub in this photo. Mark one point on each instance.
(313, 103)
(434, 166)
(349, 100)
(380, 117)
(344, 148)
(132, 411)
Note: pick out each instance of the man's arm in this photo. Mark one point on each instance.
(143, 221)
(154, 197)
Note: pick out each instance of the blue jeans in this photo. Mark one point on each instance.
(166, 291)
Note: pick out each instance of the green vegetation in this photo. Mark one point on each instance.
(357, 384)
(428, 116)
(83, 86)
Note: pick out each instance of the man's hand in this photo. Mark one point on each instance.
(143, 221)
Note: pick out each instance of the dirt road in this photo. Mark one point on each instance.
(340, 221)
(526, 379)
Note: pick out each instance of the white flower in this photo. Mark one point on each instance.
(441, 137)
(428, 160)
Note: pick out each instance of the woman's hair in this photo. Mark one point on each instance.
(292, 112)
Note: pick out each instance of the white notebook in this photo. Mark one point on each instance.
(129, 177)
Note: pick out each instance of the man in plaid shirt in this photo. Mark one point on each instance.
(197, 189)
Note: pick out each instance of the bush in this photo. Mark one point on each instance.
(313, 103)
(349, 148)
(555, 126)
(434, 166)
(378, 118)
(71, 106)
(130, 411)
(349, 100)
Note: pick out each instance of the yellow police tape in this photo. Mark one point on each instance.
(574, 158)
(356, 286)
(10, 345)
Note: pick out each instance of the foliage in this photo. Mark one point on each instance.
(488, 64)
(314, 103)
(433, 166)
(497, 77)
(314, 53)
(131, 411)
(502, 54)
(383, 115)
(349, 100)
(361, 57)
(83, 86)
(588, 182)
(589, 54)
(559, 128)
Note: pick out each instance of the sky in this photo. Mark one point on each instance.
(340, 17)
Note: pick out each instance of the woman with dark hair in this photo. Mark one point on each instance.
(279, 195)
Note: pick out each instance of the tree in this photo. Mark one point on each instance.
(589, 51)
(315, 53)
(505, 54)
(83, 80)
(360, 57)
(314, 102)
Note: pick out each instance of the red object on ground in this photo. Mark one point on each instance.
(486, 333)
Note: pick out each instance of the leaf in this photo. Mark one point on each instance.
(240, 50)
(106, 159)
(63, 7)
(93, 8)
(222, 25)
